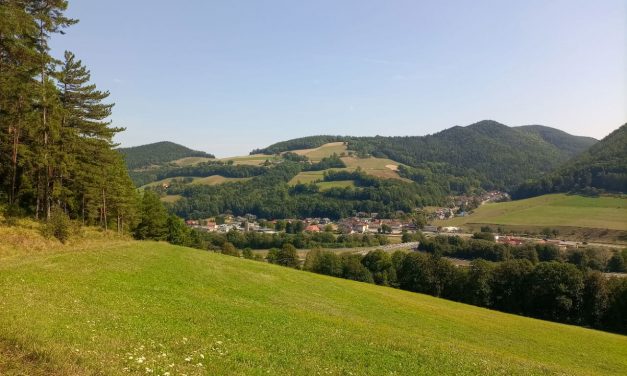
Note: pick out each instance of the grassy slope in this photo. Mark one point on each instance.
(207, 180)
(325, 185)
(553, 210)
(191, 161)
(101, 310)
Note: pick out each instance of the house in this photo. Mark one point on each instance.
(312, 228)
(430, 228)
(508, 240)
(360, 227)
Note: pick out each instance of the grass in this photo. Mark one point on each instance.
(207, 180)
(216, 179)
(148, 308)
(323, 151)
(380, 167)
(307, 177)
(335, 184)
(255, 159)
(552, 211)
(171, 198)
(190, 161)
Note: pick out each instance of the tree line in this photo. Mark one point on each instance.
(548, 290)
(592, 258)
(56, 148)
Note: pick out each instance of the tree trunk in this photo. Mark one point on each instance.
(104, 209)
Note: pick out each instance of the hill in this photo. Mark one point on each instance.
(554, 210)
(309, 142)
(572, 145)
(145, 307)
(158, 153)
(602, 167)
(490, 153)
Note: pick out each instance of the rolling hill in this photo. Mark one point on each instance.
(602, 167)
(150, 308)
(496, 155)
(159, 153)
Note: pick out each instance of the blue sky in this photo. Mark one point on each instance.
(230, 76)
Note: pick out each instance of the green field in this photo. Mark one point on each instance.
(335, 184)
(255, 159)
(151, 308)
(307, 177)
(190, 161)
(207, 180)
(552, 210)
(171, 198)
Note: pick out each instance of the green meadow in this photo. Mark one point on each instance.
(126, 307)
(605, 212)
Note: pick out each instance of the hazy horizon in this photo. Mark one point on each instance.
(230, 77)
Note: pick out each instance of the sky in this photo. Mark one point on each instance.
(230, 76)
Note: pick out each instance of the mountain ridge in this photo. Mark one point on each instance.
(158, 153)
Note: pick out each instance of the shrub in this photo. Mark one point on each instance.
(58, 225)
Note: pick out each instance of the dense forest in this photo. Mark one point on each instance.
(486, 153)
(56, 149)
(603, 167)
(157, 154)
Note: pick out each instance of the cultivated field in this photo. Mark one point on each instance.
(151, 308)
(553, 210)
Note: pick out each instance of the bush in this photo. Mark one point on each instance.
(229, 249)
(58, 225)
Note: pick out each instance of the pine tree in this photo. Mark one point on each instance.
(48, 14)
(18, 67)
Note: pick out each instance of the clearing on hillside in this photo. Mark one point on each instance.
(325, 185)
(207, 180)
(380, 167)
(191, 161)
(552, 210)
(326, 150)
(146, 307)
(255, 159)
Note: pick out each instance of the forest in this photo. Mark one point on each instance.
(602, 168)
(269, 196)
(486, 155)
(56, 150)
(157, 154)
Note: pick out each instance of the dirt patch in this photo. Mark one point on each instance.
(392, 167)
(16, 360)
